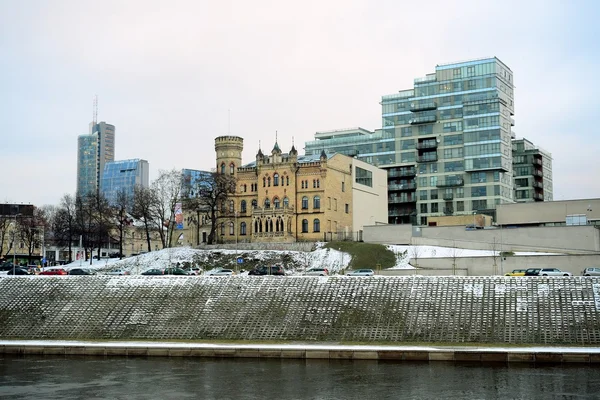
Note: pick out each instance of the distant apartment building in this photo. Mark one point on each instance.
(123, 176)
(446, 143)
(94, 150)
(532, 169)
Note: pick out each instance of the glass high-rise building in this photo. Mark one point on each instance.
(446, 142)
(123, 176)
(532, 169)
(94, 150)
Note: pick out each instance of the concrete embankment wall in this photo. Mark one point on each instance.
(339, 309)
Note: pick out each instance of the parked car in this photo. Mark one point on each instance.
(265, 270)
(18, 271)
(8, 266)
(553, 272)
(361, 272)
(591, 272)
(119, 272)
(532, 272)
(516, 272)
(174, 271)
(153, 271)
(54, 271)
(220, 272)
(194, 271)
(81, 271)
(316, 272)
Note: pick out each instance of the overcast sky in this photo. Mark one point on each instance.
(173, 75)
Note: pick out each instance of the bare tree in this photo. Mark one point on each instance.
(63, 224)
(454, 255)
(415, 252)
(94, 221)
(494, 247)
(123, 203)
(5, 235)
(213, 193)
(30, 230)
(143, 206)
(167, 189)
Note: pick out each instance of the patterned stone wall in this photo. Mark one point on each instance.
(339, 309)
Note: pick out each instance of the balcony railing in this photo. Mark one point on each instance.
(448, 196)
(428, 158)
(538, 172)
(402, 199)
(537, 161)
(424, 119)
(402, 173)
(428, 144)
(538, 196)
(450, 182)
(539, 185)
(423, 106)
(402, 186)
(448, 211)
(401, 213)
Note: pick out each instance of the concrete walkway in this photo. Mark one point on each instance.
(304, 351)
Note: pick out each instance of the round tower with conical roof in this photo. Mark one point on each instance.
(229, 154)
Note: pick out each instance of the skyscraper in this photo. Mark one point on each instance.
(123, 176)
(446, 143)
(94, 150)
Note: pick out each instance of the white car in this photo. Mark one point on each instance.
(220, 272)
(553, 272)
(117, 272)
(317, 272)
(361, 272)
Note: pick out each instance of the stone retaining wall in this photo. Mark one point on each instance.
(336, 309)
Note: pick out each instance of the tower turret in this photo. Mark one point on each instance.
(229, 154)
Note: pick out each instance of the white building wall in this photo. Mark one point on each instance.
(369, 204)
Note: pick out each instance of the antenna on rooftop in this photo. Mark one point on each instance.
(95, 111)
(228, 121)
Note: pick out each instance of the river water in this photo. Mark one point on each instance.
(52, 377)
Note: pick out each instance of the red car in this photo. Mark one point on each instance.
(57, 271)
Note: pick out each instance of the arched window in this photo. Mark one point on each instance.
(269, 181)
(231, 168)
(223, 207)
(255, 226)
(231, 206)
(231, 229)
(254, 204)
(276, 202)
(243, 228)
(270, 222)
(314, 183)
(316, 202)
(264, 181)
(304, 225)
(223, 168)
(318, 183)
(222, 228)
(302, 184)
(243, 206)
(276, 179)
(316, 225)
(287, 181)
(267, 203)
(286, 202)
(305, 203)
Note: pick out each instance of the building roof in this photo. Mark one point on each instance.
(304, 159)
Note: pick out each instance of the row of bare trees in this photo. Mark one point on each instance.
(94, 222)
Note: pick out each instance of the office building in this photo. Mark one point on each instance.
(94, 150)
(532, 168)
(446, 143)
(123, 176)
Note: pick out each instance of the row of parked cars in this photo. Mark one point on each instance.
(538, 272)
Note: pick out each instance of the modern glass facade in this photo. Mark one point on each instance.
(94, 150)
(532, 172)
(446, 143)
(123, 176)
(192, 179)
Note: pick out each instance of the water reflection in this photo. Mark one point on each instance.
(202, 378)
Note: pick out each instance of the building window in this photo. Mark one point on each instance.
(343, 186)
(304, 226)
(276, 202)
(223, 168)
(316, 202)
(231, 206)
(316, 226)
(460, 206)
(305, 203)
(276, 179)
(347, 208)
(267, 203)
(231, 229)
(287, 181)
(422, 194)
(243, 228)
(269, 181)
(286, 202)
(254, 204)
(434, 194)
(222, 228)
(364, 177)
(314, 183)
(318, 183)
(243, 206)
(434, 207)
(231, 168)
(264, 181)
(424, 208)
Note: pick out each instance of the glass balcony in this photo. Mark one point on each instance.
(424, 119)
(402, 199)
(538, 185)
(448, 196)
(423, 106)
(427, 144)
(538, 172)
(450, 182)
(402, 186)
(402, 173)
(430, 157)
(401, 213)
(537, 161)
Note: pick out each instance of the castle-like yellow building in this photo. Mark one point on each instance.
(283, 197)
